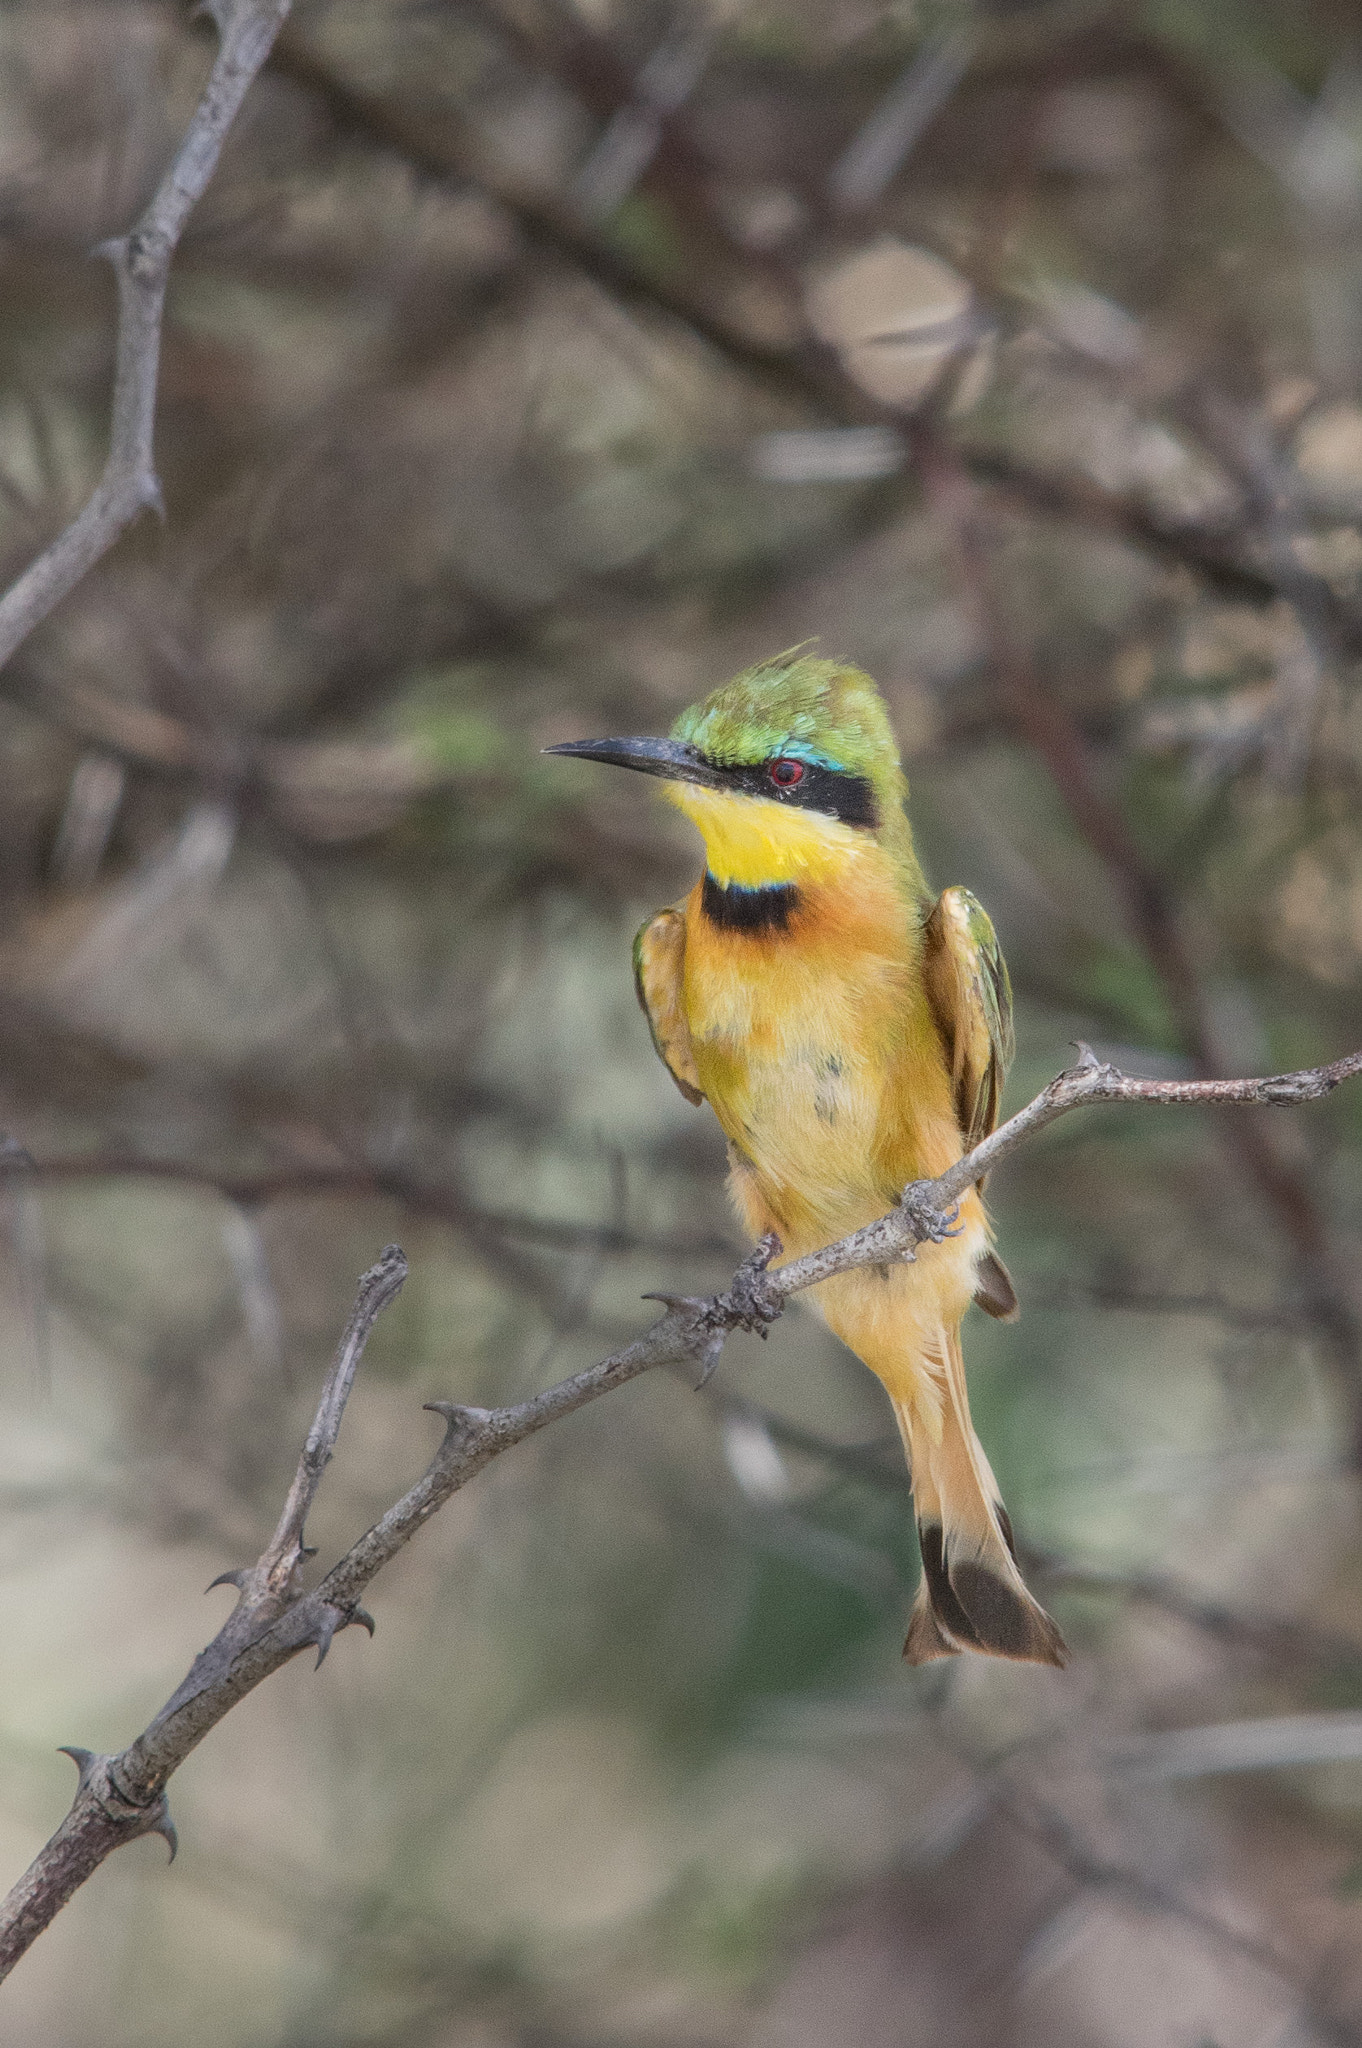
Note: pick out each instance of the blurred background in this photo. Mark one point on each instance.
(532, 365)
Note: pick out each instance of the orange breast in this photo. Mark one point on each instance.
(816, 1046)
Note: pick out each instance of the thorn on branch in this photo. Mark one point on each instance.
(84, 1761)
(95, 1778)
(331, 1620)
(240, 1578)
(709, 1360)
(328, 1622)
(459, 1421)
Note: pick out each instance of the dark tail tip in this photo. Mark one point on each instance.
(967, 1605)
(1006, 1620)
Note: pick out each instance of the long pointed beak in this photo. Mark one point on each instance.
(675, 759)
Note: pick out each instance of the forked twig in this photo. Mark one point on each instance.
(121, 1797)
(141, 261)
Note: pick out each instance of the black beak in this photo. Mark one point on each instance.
(676, 759)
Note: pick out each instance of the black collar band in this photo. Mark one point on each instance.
(738, 909)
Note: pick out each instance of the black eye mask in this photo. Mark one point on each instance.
(834, 791)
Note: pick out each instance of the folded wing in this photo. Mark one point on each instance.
(659, 952)
(971, 998)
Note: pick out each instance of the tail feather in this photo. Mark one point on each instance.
(972, 1596)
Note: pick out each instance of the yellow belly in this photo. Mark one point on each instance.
(818, 1051)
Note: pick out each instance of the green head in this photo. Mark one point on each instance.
(820, 714)
(791, 764)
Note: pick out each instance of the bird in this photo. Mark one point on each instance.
(851, 1034)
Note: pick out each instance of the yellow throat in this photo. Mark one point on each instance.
(753, 842)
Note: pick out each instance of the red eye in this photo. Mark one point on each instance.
(787, 774)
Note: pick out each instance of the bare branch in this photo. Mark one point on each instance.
(116, 1802)
(275, 1576)
(122, 1797)
(1092, 1080)
(141, 260)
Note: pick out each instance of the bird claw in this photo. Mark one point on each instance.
(751, 1303)
(930, 1224)
(751, 1299)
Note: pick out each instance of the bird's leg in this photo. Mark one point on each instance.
(930, 1224)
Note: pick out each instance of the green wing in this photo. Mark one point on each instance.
(971, 996)
(659, 951)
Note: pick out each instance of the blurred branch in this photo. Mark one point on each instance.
(1048, 727)
(141, 261)
(122, 1797)
(881, 145)
(323, 790)
(1099, 1872)
(440, 146)
(504, 1240)
(1276, 1639)
(1059, 1293)
(1275, 1742)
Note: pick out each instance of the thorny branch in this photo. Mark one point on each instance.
(121, 1797)
(141, 261)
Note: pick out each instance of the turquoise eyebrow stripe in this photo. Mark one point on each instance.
(800, 750)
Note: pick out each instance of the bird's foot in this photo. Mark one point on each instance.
(751, 1303)
(752, 1300)
(930, 1224)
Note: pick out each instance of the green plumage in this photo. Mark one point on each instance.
(822, 711)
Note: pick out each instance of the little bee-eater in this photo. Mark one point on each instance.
(852, 1036)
